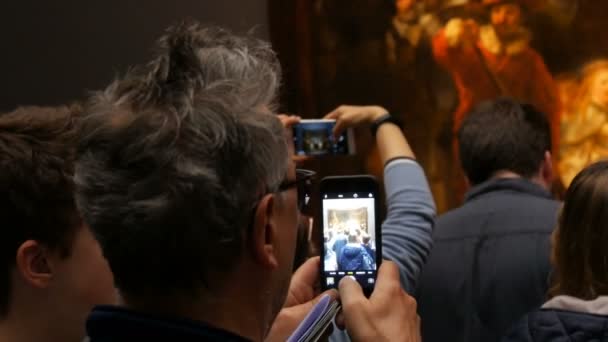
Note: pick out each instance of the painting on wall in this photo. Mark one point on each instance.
(431, 61)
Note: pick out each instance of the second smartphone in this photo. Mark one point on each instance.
(350, 230)
(315, 138)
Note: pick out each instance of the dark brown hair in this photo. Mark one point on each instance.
(580, 255)
(503, 135)
(37, 147)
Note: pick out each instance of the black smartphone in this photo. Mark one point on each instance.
(315, 138)
(350, 230)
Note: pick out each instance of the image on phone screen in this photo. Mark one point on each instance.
(315, 137)
(349, 237)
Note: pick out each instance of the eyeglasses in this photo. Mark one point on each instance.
(303, 182)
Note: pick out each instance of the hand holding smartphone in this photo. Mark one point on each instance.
(350, 233)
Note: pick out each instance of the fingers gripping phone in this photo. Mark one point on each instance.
(315, 138)
(351, 234)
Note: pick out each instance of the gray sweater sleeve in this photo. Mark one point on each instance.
(407, 230)
(410, 218)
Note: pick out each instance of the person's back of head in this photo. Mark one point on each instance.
(179, 175)
(52, 271)
(353, 237)
(505, 136)
(579, 242)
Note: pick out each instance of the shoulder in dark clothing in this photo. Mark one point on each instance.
(558, 325)
(117, 324)
(489, 264)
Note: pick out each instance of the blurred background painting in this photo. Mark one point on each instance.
(427, 61)
(430, 61)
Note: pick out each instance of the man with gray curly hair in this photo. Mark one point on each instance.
(185, 176)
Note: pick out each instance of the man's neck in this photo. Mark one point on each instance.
(31, 327)
(234, 310)
(505, 174)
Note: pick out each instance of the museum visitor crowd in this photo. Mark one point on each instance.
(166, 208)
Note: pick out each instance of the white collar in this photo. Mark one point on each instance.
(598, 306)
(489, 40)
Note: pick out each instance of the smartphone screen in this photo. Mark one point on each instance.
(315, 137)
(351, 233)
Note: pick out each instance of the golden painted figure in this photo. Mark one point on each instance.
(488, 61)
(585, 132)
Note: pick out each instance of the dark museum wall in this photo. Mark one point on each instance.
(54, 51)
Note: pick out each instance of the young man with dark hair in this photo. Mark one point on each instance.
(185, 176)
(52, 271)
(490, 260)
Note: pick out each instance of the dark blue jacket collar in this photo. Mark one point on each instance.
(112, 323)
(520, 185)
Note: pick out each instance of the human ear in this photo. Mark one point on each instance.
(546, 170)
(33, 263)
(264, 236)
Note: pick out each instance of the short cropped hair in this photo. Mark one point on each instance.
(503, 135)
(175, 156)
(37, 147)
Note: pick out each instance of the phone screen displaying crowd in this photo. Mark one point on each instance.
(349, 237)
(315, 138)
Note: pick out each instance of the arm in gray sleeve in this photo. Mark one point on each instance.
(407, 230)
